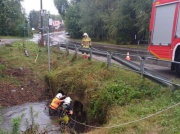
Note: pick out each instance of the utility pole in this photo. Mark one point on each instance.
(42, 29)
(48, 27)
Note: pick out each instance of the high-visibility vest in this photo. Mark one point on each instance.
(55, 103)
(86, 42)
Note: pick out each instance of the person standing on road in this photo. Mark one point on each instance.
(86, 42)
(56, 102)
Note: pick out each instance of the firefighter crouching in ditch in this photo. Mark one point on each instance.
(56, 102)
(66, 112)
(86, 43)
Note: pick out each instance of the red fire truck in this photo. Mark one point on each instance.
(165, 31)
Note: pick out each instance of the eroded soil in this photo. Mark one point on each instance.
(21, 85)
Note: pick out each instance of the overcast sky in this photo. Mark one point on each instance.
(35, 5)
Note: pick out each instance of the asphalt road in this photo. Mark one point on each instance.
(162, 68)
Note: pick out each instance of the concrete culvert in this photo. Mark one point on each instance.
(79, 116)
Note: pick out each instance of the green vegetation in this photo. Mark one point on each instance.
(116, 21)
(115, 96)
(31, 126)
(15, 57)
(12, 19)
(16, 125)
(110, 95)
(10, 37)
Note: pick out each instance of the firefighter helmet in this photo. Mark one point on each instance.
(59, 95)
(67, 100)
(85, 34)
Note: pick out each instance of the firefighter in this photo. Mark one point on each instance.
(66, 112)
(56, 102)
(86, 43)
(67, 106)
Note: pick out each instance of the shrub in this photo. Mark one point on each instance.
(118, 94)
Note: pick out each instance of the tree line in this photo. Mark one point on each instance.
(13, 21)
(116, 21)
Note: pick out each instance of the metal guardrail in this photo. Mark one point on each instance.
(117, 57)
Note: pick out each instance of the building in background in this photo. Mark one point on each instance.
(57, 25)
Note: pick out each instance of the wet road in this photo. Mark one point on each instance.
(7, 41)
(35, 38)
(160, 67)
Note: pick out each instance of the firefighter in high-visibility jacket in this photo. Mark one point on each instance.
(86, 42)
(56, 102)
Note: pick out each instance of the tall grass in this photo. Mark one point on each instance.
(115, 96)
(112, 95)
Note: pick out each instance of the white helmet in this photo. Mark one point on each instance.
(59, 95)
(85, 34)
(67, 100)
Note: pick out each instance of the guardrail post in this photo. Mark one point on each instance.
(67, 50)
(59, 45)
(49, 57)
(142, 66)
(109, 59)
(90, 53)
(138, 42)
(76, 51)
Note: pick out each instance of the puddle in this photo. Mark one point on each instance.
(42, 119)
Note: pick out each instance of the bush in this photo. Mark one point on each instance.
(16, 125)
(2, 67)
(118, 94)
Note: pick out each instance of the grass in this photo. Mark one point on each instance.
(10, 37)
(111, 96)
(165, 122)
(115, 96)
(16, 58)
(13, 37)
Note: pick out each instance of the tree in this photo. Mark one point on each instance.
(34, 18)
(117, 21)
(72, 21)
(12, 18)
(91, 18)
(143, 10)
(62, 6)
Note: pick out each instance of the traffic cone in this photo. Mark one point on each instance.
(84, 55)
(128, 57)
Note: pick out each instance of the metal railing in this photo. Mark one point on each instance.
(118, 57)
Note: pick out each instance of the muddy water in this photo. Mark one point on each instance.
(39, 108)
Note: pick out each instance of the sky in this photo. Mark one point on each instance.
(35, 5)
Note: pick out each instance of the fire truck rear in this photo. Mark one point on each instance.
(165, 31)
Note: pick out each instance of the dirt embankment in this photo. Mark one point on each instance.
(28, 88)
